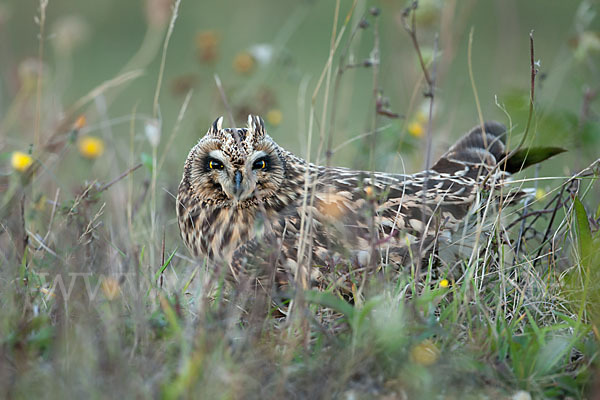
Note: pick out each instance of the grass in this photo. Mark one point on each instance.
(99, 297)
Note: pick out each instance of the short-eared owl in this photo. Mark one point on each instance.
(255, 208)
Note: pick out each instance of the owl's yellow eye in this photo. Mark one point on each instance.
(261, 163)
(214, 164)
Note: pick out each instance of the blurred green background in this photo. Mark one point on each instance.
(269, 56)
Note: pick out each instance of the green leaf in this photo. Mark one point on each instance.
(584, 232)
(327, 299)
(161, 270)
(539, 335)
(366, 310)
(147, 161)
(551, 353)
(530, 156)
(163, 267)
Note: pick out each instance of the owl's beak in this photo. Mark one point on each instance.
(238, 183)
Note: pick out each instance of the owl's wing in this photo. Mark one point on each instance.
(402, 216)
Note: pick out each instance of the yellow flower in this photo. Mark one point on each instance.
(444, 283)
(21, 161)
(110, 287)
(91, 147)
(47, 292)
(540, 194)
(79, 122)
(243, 62)
(425, 353)
(207, 43)
(274, 116)
(416, 129)
(332, 205)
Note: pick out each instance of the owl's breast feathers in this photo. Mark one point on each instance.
(345, 214)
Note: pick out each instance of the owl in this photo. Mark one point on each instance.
(250, 206)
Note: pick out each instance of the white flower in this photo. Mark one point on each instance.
(152, 129)
(521, 395)
(262, 53)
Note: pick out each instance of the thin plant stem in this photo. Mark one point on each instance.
(473, 85)
(175, 129)
(164, 57)
(38, 92)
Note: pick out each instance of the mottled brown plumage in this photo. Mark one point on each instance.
(248, 204)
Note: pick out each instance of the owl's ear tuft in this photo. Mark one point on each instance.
(256, 125)
(216, 126)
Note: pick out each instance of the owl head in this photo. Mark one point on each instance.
(234, 165)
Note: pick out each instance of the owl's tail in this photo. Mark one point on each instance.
(480, 154)
(481, 150)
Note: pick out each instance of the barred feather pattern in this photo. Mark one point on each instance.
(264, 220)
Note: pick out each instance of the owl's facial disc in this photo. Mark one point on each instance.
(239, 163)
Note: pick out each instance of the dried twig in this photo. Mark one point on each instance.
(549, 227)
(534, 71)
(411, 28)
(118, 178)
(225, 103)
